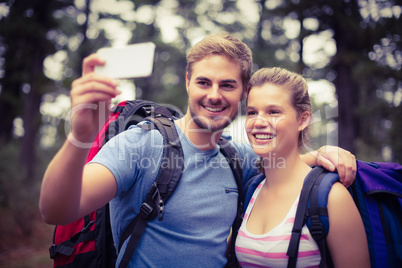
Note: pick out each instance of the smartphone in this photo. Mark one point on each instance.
(131, 61)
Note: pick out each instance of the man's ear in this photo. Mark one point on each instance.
(304, 120)
(245, 93)
(187, 82)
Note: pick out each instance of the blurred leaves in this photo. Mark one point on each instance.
(42, 44)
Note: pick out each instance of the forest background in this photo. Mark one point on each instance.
(349, 50)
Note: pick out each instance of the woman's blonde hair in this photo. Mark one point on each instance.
(298, 89)
(296, 85)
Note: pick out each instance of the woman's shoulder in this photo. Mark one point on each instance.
(340, 202)
(338, 193)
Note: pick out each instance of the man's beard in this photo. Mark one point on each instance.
(210, 124)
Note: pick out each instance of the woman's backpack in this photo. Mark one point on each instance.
(377, 192)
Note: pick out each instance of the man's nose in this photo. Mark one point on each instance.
(214, 94)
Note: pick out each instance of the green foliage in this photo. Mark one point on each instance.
(15, 194)
(8, 171)
(366, 68)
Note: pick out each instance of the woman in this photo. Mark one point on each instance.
(278, 115)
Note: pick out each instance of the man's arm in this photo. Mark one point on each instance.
(71, 189)
(336, 159)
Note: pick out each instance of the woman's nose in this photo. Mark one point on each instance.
(261, 122)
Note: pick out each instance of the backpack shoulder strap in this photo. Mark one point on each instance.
(250, 187)
(233, 159)
(247, 193)
(312, 181)
(167, 179)
(317, 214)
(131, 112)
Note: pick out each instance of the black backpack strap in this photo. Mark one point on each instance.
(250, 187)
(66, 248)
(128, 113)
(234, 162)
(168, 177)
(311, 182)
(134, 111)
(316, 228)
(233, 159)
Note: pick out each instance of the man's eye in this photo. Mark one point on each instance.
(202, 83)
(227, 86)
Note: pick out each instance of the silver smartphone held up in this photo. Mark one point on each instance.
(131, 61)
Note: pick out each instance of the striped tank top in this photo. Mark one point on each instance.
(269, 250)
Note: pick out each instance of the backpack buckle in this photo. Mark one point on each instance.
(149, 110)
(52, 251)
(160, 205)
(146, 210)
(154, 197)
(316, 228)
(86, 228)
(161, 210)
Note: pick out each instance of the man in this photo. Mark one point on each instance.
(201, 210)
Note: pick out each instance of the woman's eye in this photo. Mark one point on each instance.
(251, 113)
(274, 112)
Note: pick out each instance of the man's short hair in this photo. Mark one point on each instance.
(223, 44)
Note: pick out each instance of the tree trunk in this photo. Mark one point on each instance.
(346, 88)
(347, 121)
(31, 118)
(8, 112)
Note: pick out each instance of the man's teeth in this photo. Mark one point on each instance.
(264, 136)
(214, 109)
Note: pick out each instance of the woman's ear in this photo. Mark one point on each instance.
(304, 120)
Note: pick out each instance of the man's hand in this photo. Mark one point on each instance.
(334, 159)
(91, 96)
(67, 187)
